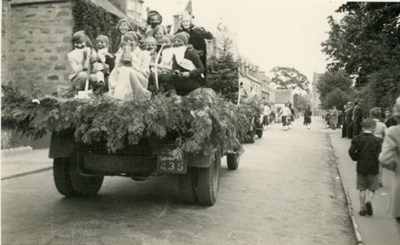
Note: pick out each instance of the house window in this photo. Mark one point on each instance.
(131, 8)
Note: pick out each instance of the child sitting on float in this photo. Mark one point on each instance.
(129, 78)
(123, 26)
(105, 61)
(187, 68)
(80, 60)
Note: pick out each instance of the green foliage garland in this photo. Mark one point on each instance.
(201, 119)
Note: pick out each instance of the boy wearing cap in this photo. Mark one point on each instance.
(187, 66)
(365, 149)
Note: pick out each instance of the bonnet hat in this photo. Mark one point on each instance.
(183, 36)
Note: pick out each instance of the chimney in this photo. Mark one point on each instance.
(177, 22)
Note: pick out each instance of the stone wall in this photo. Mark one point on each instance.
(39, 41)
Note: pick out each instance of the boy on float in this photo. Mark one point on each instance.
(80, 60)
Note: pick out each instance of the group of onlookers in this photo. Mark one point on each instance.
(178, 61)
(375, 145)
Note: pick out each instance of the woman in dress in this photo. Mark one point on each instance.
(307, 117)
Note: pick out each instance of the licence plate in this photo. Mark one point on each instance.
(170, 164)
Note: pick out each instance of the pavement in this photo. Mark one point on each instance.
(379, 229)
(15, 164)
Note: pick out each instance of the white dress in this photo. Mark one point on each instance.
(128, 82)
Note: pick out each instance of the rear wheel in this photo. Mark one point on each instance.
(208, 181)
(69, 182)
(232, 160)
(62, 178)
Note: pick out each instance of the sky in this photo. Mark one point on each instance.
(269, 32)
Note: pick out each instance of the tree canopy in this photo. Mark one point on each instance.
(330, 81)
(365, 44)
(289, 78)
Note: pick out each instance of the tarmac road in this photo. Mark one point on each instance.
(286, 191)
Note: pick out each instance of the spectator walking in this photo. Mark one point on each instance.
(344, 126)
(307, 117)
(357, 119)
(349, 119)
(390, 159)
(328, 119)
(334, 118)
(365, 149)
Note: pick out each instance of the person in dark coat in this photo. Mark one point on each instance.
(186, 66)
(349, 120)
(357, 119)
(344, 126)
(365, 149)
(389, 120)
(197, 37)
(307, 117)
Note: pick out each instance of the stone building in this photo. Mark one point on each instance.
(36, 38)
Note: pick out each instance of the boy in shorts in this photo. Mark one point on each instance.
(365, 149)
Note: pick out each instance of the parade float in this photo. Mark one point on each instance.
(100, 136)
(94, 135)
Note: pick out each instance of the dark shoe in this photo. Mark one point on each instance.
(380, 185)
(362, 212)
(368, 205)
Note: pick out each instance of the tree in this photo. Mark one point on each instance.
(223, 75)
(337, 98)
(289, 78)
(365, 44)
(329, 81)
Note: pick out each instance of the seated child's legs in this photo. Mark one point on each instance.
(78, 82)
(92, 80)
(100, 76)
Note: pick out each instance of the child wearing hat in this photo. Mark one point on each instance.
(129, 79)
(80, 60)
(187, 66)
(365, 149)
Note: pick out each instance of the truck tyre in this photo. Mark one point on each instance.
(187, 186)
(84, 185)
(69, 182)
(208, 181)
(232, 160)
(251, 135)
(62, 178)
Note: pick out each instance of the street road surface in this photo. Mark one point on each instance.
(286, 191)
